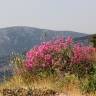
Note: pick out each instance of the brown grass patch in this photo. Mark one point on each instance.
(71, 89)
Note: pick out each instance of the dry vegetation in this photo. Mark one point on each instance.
(57, 85)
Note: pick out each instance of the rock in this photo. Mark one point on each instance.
(20, 92)
(8, 92)
(61, 94)
(28, 92)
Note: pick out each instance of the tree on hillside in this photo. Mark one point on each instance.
(93, 40)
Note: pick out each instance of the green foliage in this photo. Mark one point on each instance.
(82, 70)
(43, 73)
(62, 60)
(89, 83)
(93, 40)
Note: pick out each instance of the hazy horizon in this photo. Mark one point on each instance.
(71, 15)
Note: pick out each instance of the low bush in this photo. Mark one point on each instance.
(89, 83)
(62, 55)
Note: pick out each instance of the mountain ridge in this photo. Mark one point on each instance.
(18, 37)
(40, 29)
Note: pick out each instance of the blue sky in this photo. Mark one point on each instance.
(75, 15)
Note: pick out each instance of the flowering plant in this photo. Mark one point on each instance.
(60, 53)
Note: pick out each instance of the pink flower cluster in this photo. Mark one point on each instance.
(82, 53)
(42, 55)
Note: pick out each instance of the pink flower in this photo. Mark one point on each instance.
(48, 58)
(42, 55)
(69, 40)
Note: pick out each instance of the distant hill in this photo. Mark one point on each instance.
(84, 40)
(19, 39)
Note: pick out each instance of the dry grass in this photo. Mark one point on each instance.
(71, 89)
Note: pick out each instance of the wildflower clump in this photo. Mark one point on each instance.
(62, 54)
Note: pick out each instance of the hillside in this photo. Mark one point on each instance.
(19, 39)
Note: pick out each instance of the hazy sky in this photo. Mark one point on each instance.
(75, 15)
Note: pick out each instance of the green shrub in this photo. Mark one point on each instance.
(89, 83)
(93, 40)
